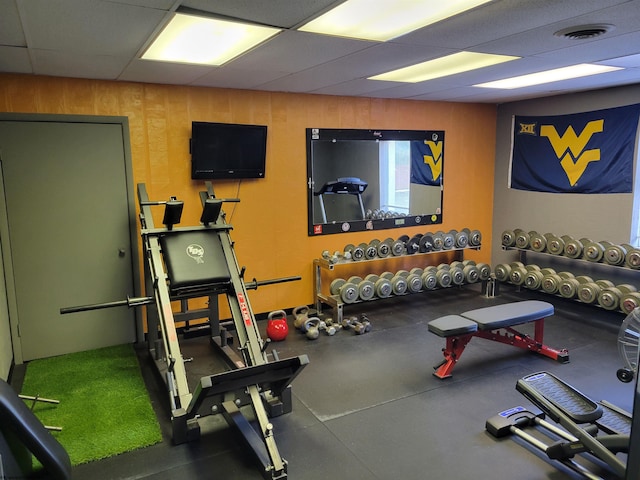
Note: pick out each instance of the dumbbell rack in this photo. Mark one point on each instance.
(337, 304)
(582, 264)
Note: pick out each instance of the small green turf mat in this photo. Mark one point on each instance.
(104, 407)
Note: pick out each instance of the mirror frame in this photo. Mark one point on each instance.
(329, 134)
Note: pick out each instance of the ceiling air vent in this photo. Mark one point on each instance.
(584, 32)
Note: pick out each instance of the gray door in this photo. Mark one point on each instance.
(69, 241)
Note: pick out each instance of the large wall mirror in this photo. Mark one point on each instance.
(373, 179)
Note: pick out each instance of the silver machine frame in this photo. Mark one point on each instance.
(252, 378)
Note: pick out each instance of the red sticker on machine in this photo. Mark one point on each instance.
(246, 316)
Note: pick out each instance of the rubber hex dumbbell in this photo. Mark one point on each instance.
(359, 325)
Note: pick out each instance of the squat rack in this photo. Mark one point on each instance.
(208, 267)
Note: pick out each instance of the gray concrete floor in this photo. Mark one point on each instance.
(367, 407)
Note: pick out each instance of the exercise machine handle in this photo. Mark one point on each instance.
(254, 284)
(129, 302)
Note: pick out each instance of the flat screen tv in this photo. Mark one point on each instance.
(227, 150)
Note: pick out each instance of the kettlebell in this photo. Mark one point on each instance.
(300, 315)
(277, 328)
(312, 328)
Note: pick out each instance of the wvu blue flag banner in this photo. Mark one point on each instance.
(426, 161)
(590, 152)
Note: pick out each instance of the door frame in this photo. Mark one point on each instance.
(12, 303)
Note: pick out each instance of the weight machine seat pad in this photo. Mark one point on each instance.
(17, 418)
(194, 259)
(452, 325)
(509, 314)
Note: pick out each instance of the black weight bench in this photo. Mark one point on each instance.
(494, 323)
(23, 435)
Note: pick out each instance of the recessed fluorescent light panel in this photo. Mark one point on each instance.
(442, 67)
(565, 73)
(206, 41)
(382, 20)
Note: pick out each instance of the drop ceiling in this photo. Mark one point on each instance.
(103, 39)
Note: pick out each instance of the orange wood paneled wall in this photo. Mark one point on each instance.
(270, 223)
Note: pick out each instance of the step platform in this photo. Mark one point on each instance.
(544, 390)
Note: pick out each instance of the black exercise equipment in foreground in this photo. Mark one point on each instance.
(598, 429)
(190, 262)
(494, 323)
(21, 436)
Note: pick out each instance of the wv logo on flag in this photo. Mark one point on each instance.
(589, 152)
(570, 148)
(426, 161)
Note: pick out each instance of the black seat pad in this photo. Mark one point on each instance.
(194, 260)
